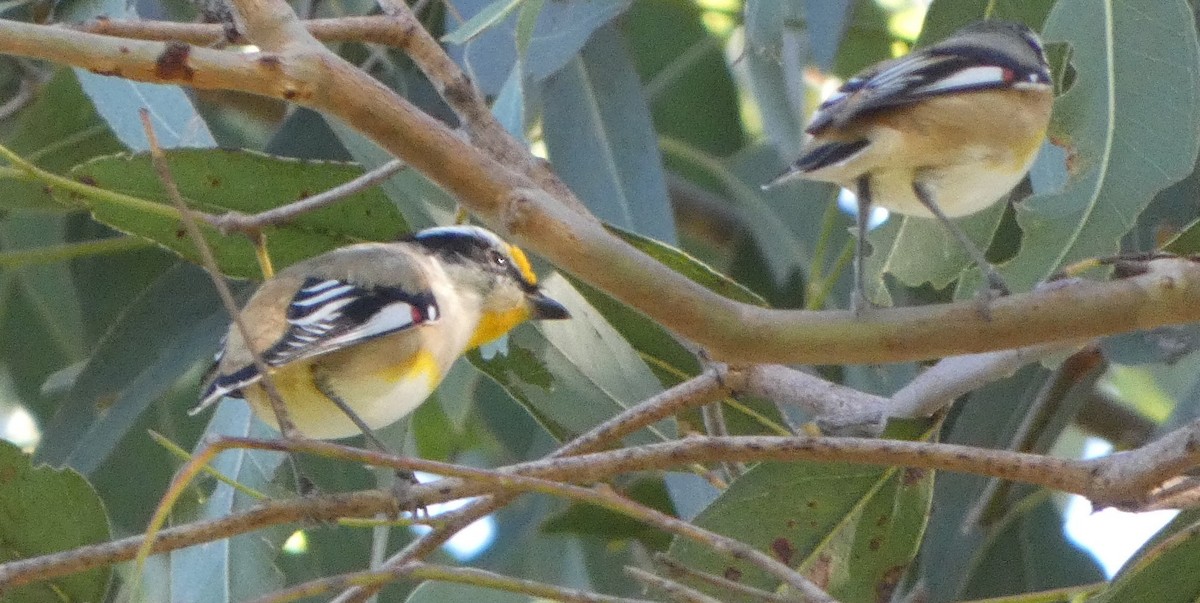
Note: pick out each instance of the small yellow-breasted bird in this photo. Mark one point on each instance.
(942, 132)
(374, 327)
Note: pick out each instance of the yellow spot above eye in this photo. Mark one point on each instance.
(494, 324)
(420, 365)
(523, 266)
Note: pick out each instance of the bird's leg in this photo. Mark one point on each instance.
(404, 478)
(860, 304)
(996, 284)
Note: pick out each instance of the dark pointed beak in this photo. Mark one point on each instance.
(545, 308)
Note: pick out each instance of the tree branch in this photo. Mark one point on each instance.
(306, 73)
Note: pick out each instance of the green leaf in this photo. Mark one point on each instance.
(570, 374)
(218, 181)
(166, 331)
(947, 16)
(688, 84)
(45, 510)
(601, 140)
(238, 568)
(491, 15)
(1009, 565)
(920, 250)
(612, 527)
(688, 266)
(854, 539)
(1130, 123)
(58, 130)
(775, 83)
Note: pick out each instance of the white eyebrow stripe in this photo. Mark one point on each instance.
(323, 297)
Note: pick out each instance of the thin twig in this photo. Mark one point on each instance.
(674, 590)
(415, 572)
(709, 385)
(678, 570)
(286, 427)
(328, 507)
(239, 222)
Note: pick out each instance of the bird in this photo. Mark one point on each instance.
(942, 132)
(358, 337)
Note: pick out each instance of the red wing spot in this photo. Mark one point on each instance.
(214, 182)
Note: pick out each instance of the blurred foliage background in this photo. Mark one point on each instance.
(664, 116)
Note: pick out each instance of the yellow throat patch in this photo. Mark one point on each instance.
(494, 324)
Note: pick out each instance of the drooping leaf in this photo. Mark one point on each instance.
(490, 16)
(217, 181)
(560, 31)
(143, 355)
(570, 374)
(58, 130)
(687, 82)
(601, 140)
(240, 568)
(176, 122)
(45, 510)
(854, 540)
(613, 527)
(775, 64)
(1125, 144)
(1159, 574)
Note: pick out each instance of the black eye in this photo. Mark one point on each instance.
(497, 259)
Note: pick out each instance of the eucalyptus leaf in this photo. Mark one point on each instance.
(218, 181)
(239, 568)
(58, 130)
(572, 374)
(166, 331)
(601, 140)
(46, 510)
(561, 29)
(853, 540)
(1125, 144)
(174, 118)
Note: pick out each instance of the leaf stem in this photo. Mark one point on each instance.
(71, 251)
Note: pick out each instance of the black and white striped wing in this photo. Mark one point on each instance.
(923, 75)
(327, 315)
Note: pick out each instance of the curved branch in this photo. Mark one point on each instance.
(508, 200)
